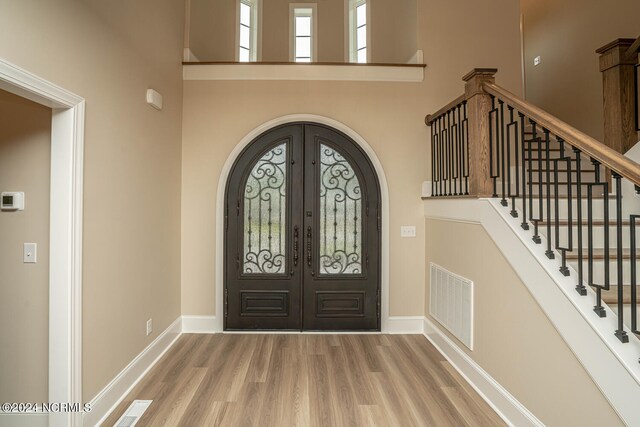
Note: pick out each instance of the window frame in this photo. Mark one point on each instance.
(255, 30)
(293, 7)
(351, 48)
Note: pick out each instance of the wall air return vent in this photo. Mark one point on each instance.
(451, 303)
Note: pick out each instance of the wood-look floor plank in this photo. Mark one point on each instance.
(322, 380)
(259, 366)
(486, 415)
(358, 373)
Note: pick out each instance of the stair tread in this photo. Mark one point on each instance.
(598, 254)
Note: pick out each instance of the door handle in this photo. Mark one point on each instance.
(296, 235)
(309, 249)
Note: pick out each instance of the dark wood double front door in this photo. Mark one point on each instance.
(302, 233)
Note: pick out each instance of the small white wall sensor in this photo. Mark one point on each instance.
(12, 201)
(154, 99)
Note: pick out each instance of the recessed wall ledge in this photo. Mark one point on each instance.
(409, 73)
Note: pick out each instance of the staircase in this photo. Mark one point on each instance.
(569, 228)
(575, 197)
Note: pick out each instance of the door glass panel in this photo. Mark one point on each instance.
(265, 214)
(340, 215)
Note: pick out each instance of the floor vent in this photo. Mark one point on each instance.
(451, 303)
(133, 413)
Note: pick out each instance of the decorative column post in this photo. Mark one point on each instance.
(478, 107)
(618, 78)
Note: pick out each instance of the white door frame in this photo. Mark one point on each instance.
(65, 248)
(222, 183)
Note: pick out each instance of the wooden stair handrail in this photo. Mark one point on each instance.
(430, 118)
(608, 157)
(634, 49)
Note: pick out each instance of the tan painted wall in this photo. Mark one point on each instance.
(390, 117)
(565, 34)
(393, 30)
(110, 53)
(275, 33)
(25, 159)
(212, 35)
(514, 341)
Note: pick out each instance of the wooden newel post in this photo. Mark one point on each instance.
(478, 107)
(618, 71)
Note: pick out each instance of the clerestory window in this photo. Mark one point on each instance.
(358, 31)
(248, 31)
(303, 31)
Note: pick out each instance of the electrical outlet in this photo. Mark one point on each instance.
(149, 326)
(408, 231)
(536, 60)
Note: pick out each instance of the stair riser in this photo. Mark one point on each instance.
(598, 236)
(626, 313)
(597, 206)
(598, 270)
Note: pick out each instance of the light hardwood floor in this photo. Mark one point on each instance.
(306, 380)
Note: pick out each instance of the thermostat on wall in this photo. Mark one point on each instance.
(12, 201)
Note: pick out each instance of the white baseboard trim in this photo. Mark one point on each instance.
(506, 406)
(107, 400)
(199, 325)
(404, 325)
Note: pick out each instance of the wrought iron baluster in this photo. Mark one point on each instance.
(453, 134)
(563, 250)
(598, 308)
(433, 163)
(465, 145)
(580, 288)
(447, 163)
(494, 154)
(620, 333)
(513, 123)
(634, 280)
(535, 220)
(527, 161)
(547, 142)
(460, 150)
(442, 154)
(503, 161)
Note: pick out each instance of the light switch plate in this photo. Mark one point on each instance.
(30, 253)
(408, 231)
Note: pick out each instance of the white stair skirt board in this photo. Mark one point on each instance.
(506, 406)
(613, 365)
(200, 325)
(109, 398)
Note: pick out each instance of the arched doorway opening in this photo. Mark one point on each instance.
(302, 233)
